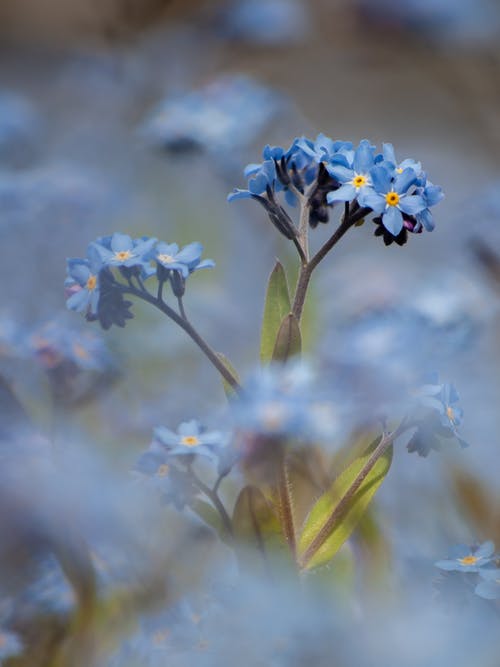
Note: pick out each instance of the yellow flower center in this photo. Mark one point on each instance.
(392, 198)
(91, 283)
(160, 637)
(122, 255)
(80, 351)
(166, 259)
(359, 180)
(399, 170)
(450, 414)
(468, 560)
(190, 441)
(163, 470)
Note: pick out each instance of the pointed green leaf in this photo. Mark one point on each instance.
(288, 341)
(228, 390)
(276, 307)
(256, 527)
(350, 516)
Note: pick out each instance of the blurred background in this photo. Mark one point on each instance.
(140, 115)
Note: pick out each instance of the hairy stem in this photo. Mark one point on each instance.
(285, 505)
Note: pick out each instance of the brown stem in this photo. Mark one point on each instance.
(285, 504)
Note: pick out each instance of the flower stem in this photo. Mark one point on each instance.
(184, 323)
(285, 504)
(213, 496)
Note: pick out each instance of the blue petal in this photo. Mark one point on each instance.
(120, 242)
(404, 181)
(163, 248)
(340, 173)
(239, 194)
(381, 179)
(79, 300)
(393, 220)
(412, 204)
(344, 193)
(190, 253)
(426, 219)
(389, 154)
(433, 194)
(363, 157)
(79, 271)
(485, 550)
(372, 200)
(165, 436)
(189, 428)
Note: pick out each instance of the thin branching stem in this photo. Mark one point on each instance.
(184, 323)
(214, 498)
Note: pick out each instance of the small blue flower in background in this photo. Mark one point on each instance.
(10, 645)
(82, 283)
(432, 195)
(189, 439)
(120, 250)
(392, 198)
(226, 114)
(489, 587)
(261, 178)
(468, 559)
(442, 398)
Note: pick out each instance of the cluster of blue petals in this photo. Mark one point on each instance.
(140, 258)
(335, 171)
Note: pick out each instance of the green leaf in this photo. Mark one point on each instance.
(210, 516)
(256, 527)
(228, 390)
(288, 341)
(351, 515)
(276, 307)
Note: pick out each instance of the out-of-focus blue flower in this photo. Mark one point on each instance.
(54, 343)
(284, 402)
(354, 178)
(468, 559)
(120, 250)
(190, 438)
(82, 284)
(226, 114)
(391, 198)
(489, 587)
(10, 645)
(442, 398)
(184, 261)
(261, 177)
(266, 22)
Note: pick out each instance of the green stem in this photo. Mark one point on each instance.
(213, 496)
(386, 440)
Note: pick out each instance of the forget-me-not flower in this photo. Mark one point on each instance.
(190, 438)
(468, 559)
(353, 177)
(392, 198)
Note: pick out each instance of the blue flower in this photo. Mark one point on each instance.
(468, 559)
(489, 587)
(189, 439)
(121, 250)
(443, 398)
(83, 284)
(185, 261)
(392, 198)
(353, 178)
(10, 645)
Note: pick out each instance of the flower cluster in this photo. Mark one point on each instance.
(326, 172)
(478, 560)
(92, 284)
